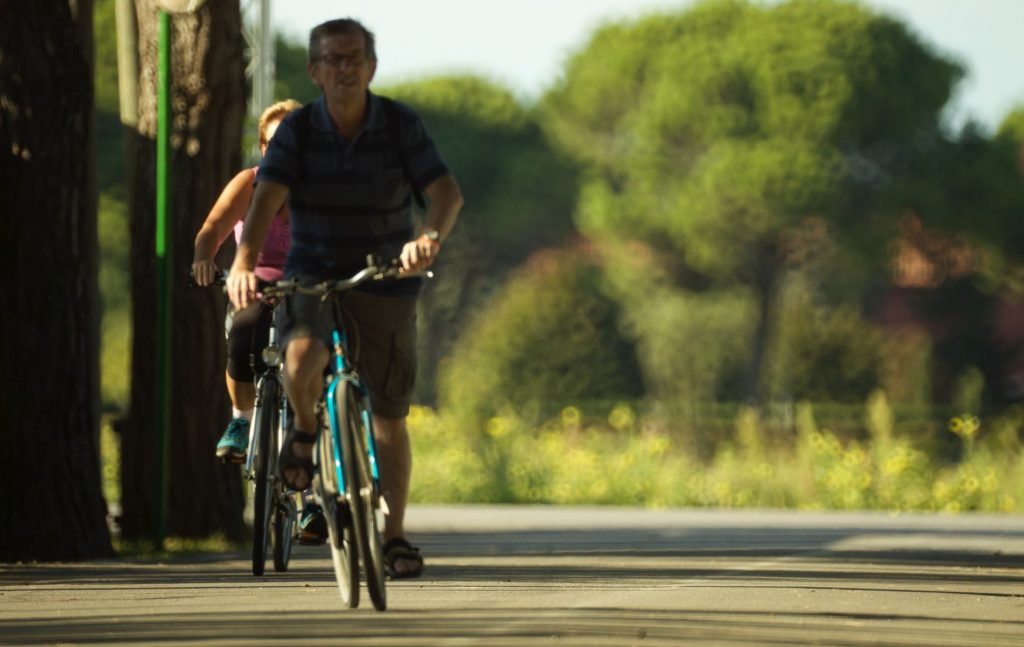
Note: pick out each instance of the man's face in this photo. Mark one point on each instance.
(341, 69)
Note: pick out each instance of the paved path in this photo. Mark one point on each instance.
(572, 576)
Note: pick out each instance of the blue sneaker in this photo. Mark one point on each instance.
(235, 442)
(312, 526)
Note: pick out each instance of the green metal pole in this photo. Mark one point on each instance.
(164, 287)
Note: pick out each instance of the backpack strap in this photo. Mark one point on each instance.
(395, 130)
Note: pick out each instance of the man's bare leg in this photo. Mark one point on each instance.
(395, 456)
(304, 362)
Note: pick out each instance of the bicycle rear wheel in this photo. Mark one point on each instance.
(341, 538)
(366, 510)
(264, 422)
(282, 529)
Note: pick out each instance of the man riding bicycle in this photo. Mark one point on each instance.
(347, 182)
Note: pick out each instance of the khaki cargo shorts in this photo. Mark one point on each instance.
(381, 333)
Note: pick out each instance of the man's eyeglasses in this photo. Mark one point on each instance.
(336, 60)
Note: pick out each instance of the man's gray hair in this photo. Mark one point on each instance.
(340, 26)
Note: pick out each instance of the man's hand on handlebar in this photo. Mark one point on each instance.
(242, 285)
(419, 254)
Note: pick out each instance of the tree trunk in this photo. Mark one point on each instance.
(767, 267)
(208, 105)
(51, 505)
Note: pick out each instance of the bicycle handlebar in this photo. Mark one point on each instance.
(375, 270)
(220, 277)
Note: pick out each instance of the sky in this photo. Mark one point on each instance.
(523, 44)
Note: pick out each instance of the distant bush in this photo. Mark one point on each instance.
(547, 338)
(906, 370)
(693, 346)
(822, 353)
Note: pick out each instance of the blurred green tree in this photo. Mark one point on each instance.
(715, 135)
(114, 238)
(110, 169)
(519, 192)
(291, 79)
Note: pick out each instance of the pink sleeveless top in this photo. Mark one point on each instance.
(270, 262)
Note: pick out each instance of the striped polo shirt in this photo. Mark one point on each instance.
(349, 198)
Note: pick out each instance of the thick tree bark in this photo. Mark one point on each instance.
(51, 505)
(208, 104)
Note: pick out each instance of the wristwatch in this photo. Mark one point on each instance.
(432, 234)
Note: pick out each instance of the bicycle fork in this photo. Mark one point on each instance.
(271, 356)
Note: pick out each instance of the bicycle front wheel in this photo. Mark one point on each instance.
(282, 525)
(366, 508)
(264, 422)
(341, 538)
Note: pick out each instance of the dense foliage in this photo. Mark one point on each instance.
(702, 211)
(718, 135)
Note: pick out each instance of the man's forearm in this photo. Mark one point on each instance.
(445, 203)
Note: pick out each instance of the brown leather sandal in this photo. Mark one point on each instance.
(396, 549)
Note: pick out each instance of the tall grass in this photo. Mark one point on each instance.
(623, 457)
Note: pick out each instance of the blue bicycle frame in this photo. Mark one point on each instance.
(344, 374)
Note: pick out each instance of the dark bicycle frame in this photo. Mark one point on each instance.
(280, 507)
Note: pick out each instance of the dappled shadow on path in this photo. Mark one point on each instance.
(567, 626)
(521, 573)
(897, 546)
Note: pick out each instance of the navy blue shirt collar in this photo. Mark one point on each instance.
(374, 118)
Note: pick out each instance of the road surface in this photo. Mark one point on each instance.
(524, 575)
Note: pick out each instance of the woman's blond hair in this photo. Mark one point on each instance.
(275, 112)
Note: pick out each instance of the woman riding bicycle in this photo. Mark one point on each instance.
(246, 329)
